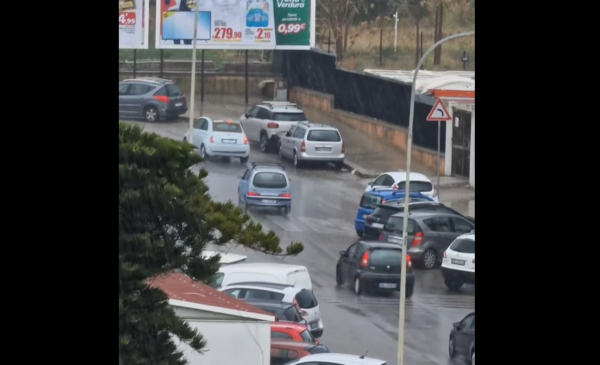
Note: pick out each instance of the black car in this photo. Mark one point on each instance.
(375, 222)
(373, 266)
(462, 338)
(281, 310)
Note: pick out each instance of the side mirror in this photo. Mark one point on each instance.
(246, 115)
(370, 183)
(287, 134)
(304, 322)
(456, 325)
(342, 253)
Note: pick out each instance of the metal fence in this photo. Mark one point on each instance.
(355, 92)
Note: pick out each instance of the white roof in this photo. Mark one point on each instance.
(262, 267)
(346, 359)
(469, 236)
(290, 289)
(226, 258)
(401, 176)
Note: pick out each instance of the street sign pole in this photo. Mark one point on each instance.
(438, 159)
(440, 114)
(411, 117)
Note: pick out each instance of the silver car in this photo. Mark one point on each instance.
(150, 98)
(310, 142)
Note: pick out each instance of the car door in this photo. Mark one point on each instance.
(196, 141)
(378, 182)
(249, 123)
(345, 262)
(298, 137)
(461, 225)
(201, 133)
(243, 185)
(287, 142)
(135, 97)
(442, 227)
(353, 262)
(124, 107)
(261, 121)
(464, 335)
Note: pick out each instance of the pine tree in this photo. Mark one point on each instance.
(166, 218)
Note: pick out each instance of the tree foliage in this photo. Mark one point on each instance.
(166, 218)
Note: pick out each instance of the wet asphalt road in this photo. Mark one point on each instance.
(323, 211)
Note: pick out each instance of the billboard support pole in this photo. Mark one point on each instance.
(246, 74)
(202, 82)
(193, 86)
(134, 62)
(162, 64)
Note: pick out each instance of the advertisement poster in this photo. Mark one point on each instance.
(133, 19)
(236, 24)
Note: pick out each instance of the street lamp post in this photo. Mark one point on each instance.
(407, 190)
(193, 86)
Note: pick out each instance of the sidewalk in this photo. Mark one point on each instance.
(365, 156)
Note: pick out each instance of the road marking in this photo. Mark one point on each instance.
(285, 224)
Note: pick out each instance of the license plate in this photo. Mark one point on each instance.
(377, 225)
(178, 104)
(314, 325)
(231, 141)
(388, 285)
(267, 201)
(323, 149)
(458, 262)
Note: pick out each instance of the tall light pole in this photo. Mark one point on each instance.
(411, 116)
(193, 86)
(395, 30)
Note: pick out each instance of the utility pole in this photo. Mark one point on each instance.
(193, 86)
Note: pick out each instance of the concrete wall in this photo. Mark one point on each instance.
(213, 83)
(383, 131)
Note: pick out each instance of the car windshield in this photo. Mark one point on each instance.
(323, 135)
(227, 127)
(173, 90)
(269, 180)
(463, 245)
(306, 336)
(370, 201)
(382, 257)
(395, 225)
(416, 186)
(306, 299)
(289, 117)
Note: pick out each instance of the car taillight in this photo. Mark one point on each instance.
(343, 148)
(445, 256)
(162, 99)
(245, 140)
(304, 313)
(417, 239)
(365, 260)
(382, 200)
(408, 261)
(272, 125)
(212, 139)
(303, 147)
(252, 193)
(395, 187)
(473, 261)
(285, 195)
(381, 236)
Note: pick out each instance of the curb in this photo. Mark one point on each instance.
(358, 170)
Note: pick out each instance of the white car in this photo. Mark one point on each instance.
(419, 183)
(458, 265)
(225, 138)
(226, 257)
(268, 122)
(304, 299)
(337, 359)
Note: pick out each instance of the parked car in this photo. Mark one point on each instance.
(375, 221)
(287, 312)
(462, 338)
(370, 200)
(310, 142)
(291, 331)
(219, 138)
(419, 183)
(458, 265)
(265, 185)
(150, 98)
(303, 298)
(429, 234)
(284, 351)
(373, 266)
(295, 275)
(266, 123)
(337, 359)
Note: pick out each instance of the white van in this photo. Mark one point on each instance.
(295, 275)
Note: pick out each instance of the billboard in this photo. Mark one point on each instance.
(236, 24)
(133, 24)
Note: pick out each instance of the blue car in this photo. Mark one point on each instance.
(370, 200)
(265, 185)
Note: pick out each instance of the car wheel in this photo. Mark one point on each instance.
(264, 143)
(409, 291)
(286, 210)
(338, 165)
(473, 358)
(184, 139)
(150, 114)
(296, 161)
(244, 159)
(358, 285)
(359, 233)
(338, 277)
(451, 347)
(429, 259)
(203, 152)
(453, 284)
(280, 152)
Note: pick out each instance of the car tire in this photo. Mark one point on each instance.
(409, 291)
(203, 153)
(317, 333)
(451, 348)
(338, 165)
(428, 259)
(184, 140)
(453, 284)
(280, 152)
(473, 357)
(150, 114)
(264, 143)
(297, 162)
(359, 233)
(286, 210)
(358, 285)
(338, 277)
(244, 159)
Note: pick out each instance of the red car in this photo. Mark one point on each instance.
(291, 331)
(284, 351)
